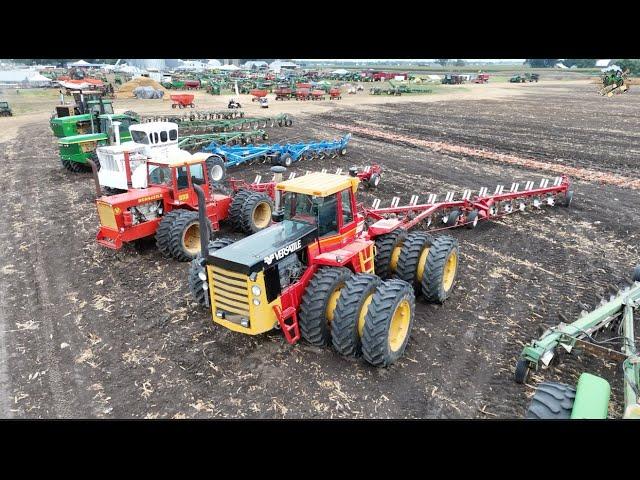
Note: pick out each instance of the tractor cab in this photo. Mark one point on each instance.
(179, 176)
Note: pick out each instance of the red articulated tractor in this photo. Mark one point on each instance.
(319, 273)
(168, 207)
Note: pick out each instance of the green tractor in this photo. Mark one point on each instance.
(75, 150)
(613, 81)
(590, 398)
(5, 110)
(79, 118)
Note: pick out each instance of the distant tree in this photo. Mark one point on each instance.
(443, 61)
(580, 62)
(541, 62)
(460, 63)
(633, 64)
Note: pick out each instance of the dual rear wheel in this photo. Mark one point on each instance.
(358, 314)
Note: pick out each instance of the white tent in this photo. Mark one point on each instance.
(257, 64)
(340, 71)
(213, 63)
(80, 63)
(279, 65)
(603, 63)
(31, 77)
(228, 67)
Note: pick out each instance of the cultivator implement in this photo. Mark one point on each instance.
(590, 398)
(471, 209)
(197, 115)
(279, 154)
(614, 83)
(193, 142)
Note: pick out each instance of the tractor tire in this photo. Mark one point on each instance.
(413, 258)
(256, 213)
(348, 320)
(373, 182)
(387, 325)
(343, 151)
(178, 235)
(319, 303)
(441, 269)
(288, 122)
(552, 401)
(388, 248)
(72, 166)
(636, 274)
(235, 209)
(216, 169)
(197, 265)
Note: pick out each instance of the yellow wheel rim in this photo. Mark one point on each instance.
(262, 215)
(399, 325)
(363, 314)
(395, 254)
(191, 238)
(331, 304)
(450, 268)
(422, 261)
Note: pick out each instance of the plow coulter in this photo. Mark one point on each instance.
(590, 398)
(470, 210)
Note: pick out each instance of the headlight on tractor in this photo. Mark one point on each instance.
(256, 301)
(256, 291)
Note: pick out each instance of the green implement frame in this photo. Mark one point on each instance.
(591, 393)
(193, 142)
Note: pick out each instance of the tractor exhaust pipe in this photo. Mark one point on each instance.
(96, 181)
(202, 218)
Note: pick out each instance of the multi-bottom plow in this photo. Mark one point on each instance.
(590, 398)
(471, 209)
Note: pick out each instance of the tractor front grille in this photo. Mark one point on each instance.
(230, 291)
(107, 217)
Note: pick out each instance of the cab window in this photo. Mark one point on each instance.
(347, 211)
(327, 215)
(197, 174)
(173, 134)
(163, 136)
(183, 177)
(159, 175)
(139, 137)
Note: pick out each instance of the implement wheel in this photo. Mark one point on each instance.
(348, 320)
(178, 235)
(413, 258)
(387, 325)
(441, 269)
(72, 166)
(636, 274)
(255, 214)
(552, 401)
(566, 202)
(198, 273)
(388, 248)
(319, 303)
(522, 370)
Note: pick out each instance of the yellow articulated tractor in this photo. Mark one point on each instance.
(325, 272)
